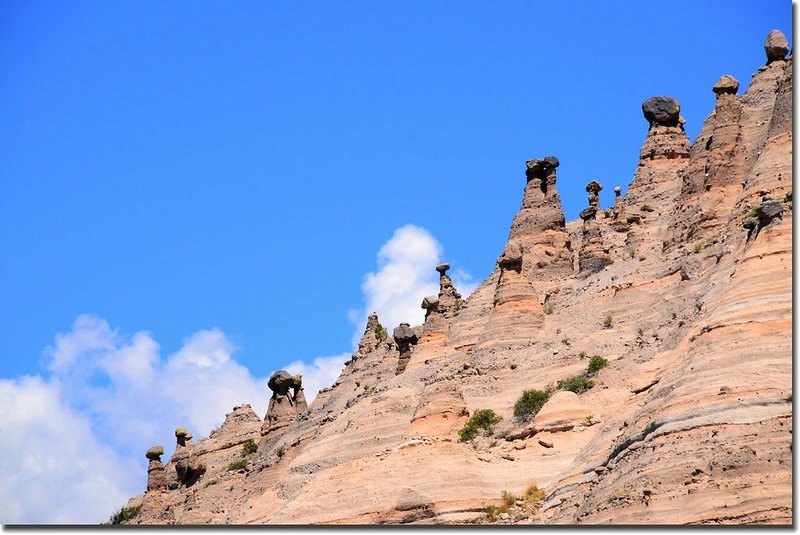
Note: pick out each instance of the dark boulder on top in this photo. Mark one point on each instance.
(776, 46)
(662, 111)
(726, 84)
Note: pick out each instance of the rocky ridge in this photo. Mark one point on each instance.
(683, 286)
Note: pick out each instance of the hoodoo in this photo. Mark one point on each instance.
(643, 376)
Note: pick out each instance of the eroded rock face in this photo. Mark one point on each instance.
(690, 422)
(284, 405)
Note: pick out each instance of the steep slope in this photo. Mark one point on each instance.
(684, 286)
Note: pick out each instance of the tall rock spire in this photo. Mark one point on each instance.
(536, 257)
(442, 306)
(657, 182)
(538, 228)
(593, 255)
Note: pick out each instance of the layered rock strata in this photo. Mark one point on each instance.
(690, 420)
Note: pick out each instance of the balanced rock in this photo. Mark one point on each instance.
(155, 453)
(726, 85)
(187, 468)
(283, 405)
(662, 111)
(182, 435)
(405, 337)
(156, 473)
(280, 383)
(776, 46)
(541, 169)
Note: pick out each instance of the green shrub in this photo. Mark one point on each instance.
(647, 208)
(577, 384)
(548, 308)
(530, 403)
(241, 464)
(596, 363)
(280, 452)
(608, 321)
(509, 498)
(534, 495)
(481, 419)
(493, 512)
(380, 332)
(249, 446)
(124, 514)
(582, 355)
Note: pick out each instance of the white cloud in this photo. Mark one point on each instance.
(89, 334)
(321, 373)
(52, 468)
(405, 275)
(73, 444)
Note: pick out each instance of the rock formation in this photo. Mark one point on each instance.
(668, 371)
(374, 334)
(593, 255)
(283, 405)
(405, 337)
(156, 474)
(538, 227)
(776, 46)
(188, 469)
(441, 307)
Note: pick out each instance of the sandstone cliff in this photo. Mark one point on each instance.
(683, 287)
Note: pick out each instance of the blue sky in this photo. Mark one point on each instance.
(237, 179)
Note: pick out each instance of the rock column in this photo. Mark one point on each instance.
(187, 468)
(404, 337)
(539, 228)
(593, 255)
(440, 307)
(156, 473)
(283, 404)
